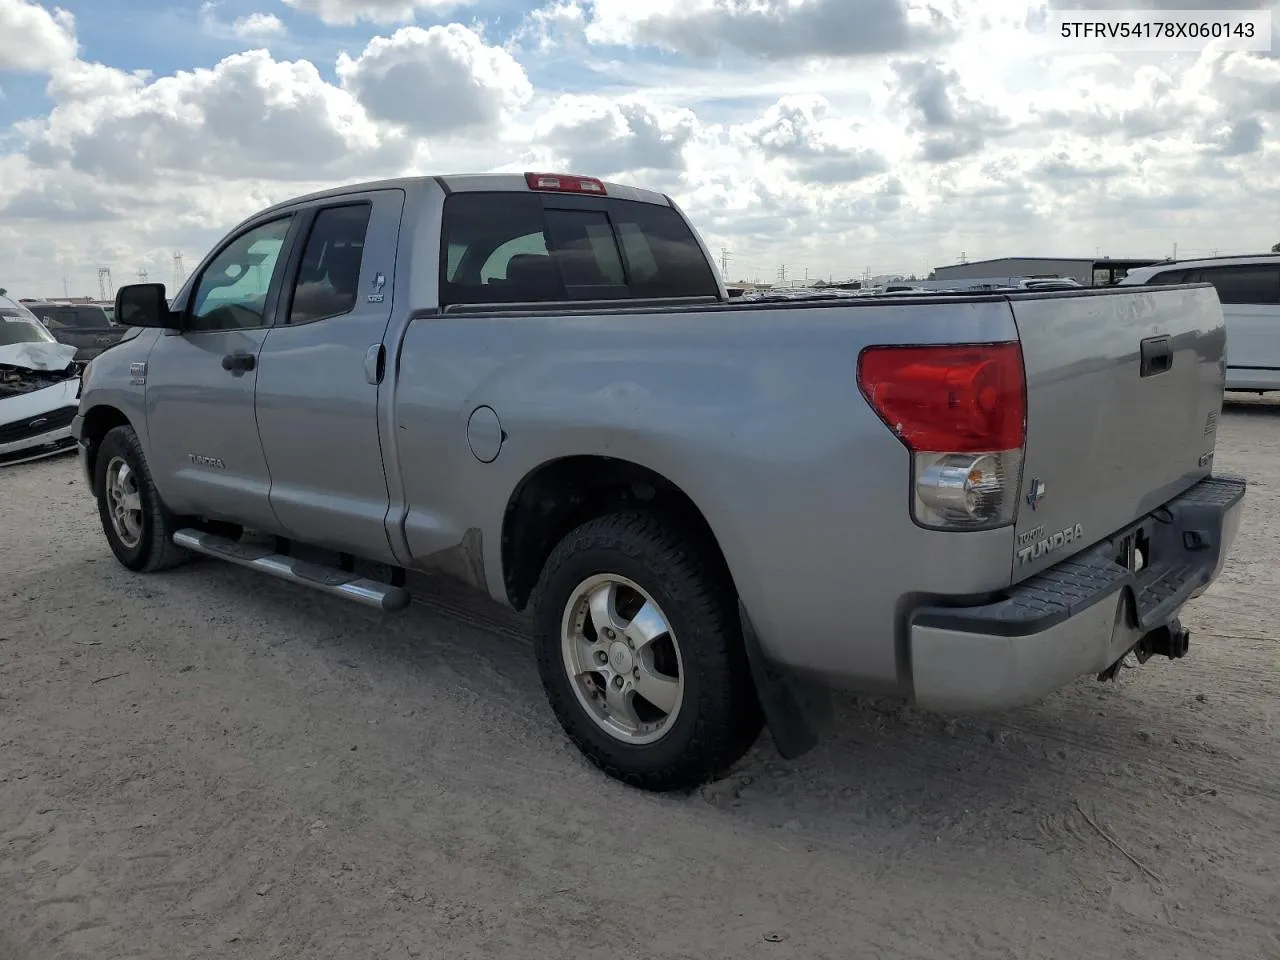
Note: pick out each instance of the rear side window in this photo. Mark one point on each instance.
(1256, 284)
(518, 248)
(329, 275)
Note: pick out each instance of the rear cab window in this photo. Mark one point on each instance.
(533, 248)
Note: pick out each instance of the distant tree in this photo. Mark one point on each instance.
(1275, 248)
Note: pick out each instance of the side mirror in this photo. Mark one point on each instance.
(144, 305)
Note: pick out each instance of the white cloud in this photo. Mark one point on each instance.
(34, 38)
(953, 124)
(604, 137)
(249, 115)
(257, 25)
(340, 12)
(817, 147)
(772, 29)
(434, 82)
(831, 136)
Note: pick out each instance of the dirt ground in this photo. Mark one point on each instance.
(207, 763)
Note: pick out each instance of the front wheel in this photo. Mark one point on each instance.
(138, 526)
(640, 653)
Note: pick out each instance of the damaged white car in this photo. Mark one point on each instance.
(39, 388)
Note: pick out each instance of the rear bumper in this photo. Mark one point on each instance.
(1078, 617)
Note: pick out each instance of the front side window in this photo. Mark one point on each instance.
(232, 292)
(1258, 284)
(329, 276)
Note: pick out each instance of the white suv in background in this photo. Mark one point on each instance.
(1249, 288)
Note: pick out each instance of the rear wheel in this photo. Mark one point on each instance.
(138, 526)
(640, 652)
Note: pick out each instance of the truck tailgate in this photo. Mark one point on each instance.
(1124, 390)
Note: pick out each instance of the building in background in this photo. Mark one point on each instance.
(1090, 271)
(738, 288)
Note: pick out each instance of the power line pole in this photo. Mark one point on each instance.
(782, 273)
(105, 290)
(179, 270)
(724, 262)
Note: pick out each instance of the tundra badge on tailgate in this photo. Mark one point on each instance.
(1035, 543)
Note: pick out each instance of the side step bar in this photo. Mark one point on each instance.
(331, 580)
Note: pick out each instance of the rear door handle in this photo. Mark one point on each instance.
(1157, 356)
(375, 363)
(238, 362)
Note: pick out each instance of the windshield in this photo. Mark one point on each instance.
(15, 327)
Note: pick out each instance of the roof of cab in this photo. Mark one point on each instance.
(461, 183)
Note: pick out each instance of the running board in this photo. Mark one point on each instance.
(331, 580)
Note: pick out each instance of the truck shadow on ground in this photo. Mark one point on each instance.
(884, 774)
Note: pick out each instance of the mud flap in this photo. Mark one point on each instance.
(796, 711)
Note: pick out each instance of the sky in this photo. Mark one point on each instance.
(828, 137)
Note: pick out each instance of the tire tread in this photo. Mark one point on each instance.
(728, 715)
(159, 524)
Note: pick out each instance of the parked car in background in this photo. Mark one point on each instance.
(1249, 290)
(39, 387)
(539, 385)
(88, 327)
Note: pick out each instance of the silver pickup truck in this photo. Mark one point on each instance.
(714, 511)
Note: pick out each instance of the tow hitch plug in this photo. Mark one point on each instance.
(1170, 640)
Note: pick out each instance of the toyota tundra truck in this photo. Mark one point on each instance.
(714, 511)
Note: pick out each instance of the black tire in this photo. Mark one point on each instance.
(719, 717)
(154, 549)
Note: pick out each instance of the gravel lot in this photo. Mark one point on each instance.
(207, 763)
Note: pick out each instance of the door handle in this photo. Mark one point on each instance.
(375, 363)
(239, 362)
(1157, 356)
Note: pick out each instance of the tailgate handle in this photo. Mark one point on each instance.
(239, 362)
(1157, 356)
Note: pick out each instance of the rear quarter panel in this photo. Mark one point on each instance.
(753, 411)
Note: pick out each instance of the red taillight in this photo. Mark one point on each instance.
(966, 398)
(563, 183)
